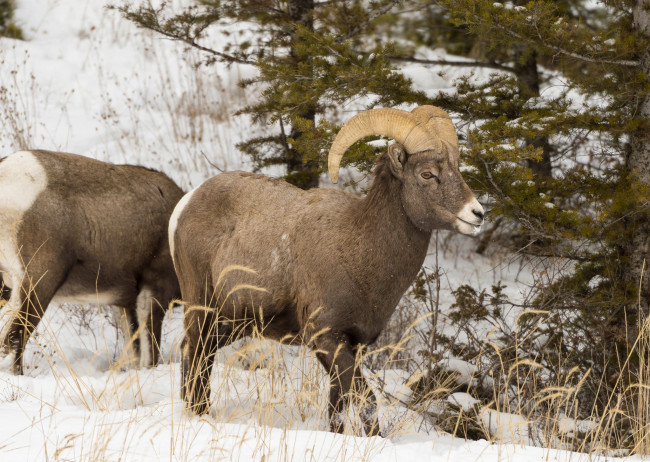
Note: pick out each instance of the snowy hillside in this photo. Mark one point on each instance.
(87, 81)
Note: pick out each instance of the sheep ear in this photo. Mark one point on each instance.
(397, 157)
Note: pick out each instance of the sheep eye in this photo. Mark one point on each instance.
(429, 175)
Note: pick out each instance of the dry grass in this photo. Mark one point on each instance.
(641, 417)
(518, 399)
(18, 108)
(178, 116)
(262, 387)
(267, 390)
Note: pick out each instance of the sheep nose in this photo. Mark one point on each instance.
(478, 213)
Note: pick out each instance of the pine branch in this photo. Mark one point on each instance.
(555, 255)
(223, 56)
(572, 54)
(375, 14)
(184, 28)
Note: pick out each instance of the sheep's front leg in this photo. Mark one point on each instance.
(368, 400)
(335, 353)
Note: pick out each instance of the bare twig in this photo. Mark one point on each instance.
(444, 62)
(572, 54)
(212, 164)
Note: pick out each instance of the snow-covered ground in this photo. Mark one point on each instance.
(86, 81)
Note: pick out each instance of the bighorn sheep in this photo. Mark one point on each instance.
(330, 267)
(77, 229)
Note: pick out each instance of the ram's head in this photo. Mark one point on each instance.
(424, 159)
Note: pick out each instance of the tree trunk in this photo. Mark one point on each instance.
(528, 76)
(638, 162)
(303, 174)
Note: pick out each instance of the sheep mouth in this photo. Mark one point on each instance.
(475, 225)
(474, 229)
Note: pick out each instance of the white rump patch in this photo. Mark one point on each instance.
(22, 179)
(173, 219)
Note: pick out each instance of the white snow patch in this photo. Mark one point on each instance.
(506, 427)
(573, 427)
(463, 400)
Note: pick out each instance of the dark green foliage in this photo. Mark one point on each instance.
(7, 26)
(592, 204)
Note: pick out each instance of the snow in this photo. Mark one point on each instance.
(505, 427)
(89, 82)
(571, 426)
(463, 400)
(466, 371)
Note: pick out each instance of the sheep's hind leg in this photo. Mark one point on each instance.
(204, 335)
(335, 353)
(157, 291)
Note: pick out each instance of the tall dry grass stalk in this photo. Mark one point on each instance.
(642, 414)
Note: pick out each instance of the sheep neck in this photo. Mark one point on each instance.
(384, 242)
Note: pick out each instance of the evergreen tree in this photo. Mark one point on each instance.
(308, 61)
(570, 167)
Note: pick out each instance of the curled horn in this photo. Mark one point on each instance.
(438, 122)
(404, 127)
